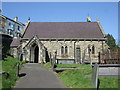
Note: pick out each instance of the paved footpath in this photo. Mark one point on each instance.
(37, 76)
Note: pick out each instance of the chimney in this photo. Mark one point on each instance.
(28, 20)
(16, 19)
(88, 19)
(97, 19)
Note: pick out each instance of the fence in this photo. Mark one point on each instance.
(108, 57)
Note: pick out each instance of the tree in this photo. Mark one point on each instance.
(111, 42)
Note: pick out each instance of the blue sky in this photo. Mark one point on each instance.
(107, 12)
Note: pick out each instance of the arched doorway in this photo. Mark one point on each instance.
(34, 53)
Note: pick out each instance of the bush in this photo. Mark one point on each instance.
(9, 66)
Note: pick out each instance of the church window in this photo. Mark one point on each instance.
(62, 50)
(66, 50)
(93, 49)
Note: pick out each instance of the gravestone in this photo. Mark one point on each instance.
(53, 63)
(95, 75)
(53, 60)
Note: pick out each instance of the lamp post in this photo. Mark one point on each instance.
(19, 52)
(25, 53)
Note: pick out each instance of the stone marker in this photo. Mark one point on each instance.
(95, 75)
(53, 61)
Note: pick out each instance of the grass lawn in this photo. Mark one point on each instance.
(108, 82)
(77, 79)
(73, 66)
(9, 66)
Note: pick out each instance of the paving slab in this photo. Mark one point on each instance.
(37, 76)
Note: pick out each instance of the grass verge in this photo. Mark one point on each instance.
(77, 79)
(108, 82)
(47, 65)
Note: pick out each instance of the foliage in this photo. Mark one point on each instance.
(111, 42)
(9, 66)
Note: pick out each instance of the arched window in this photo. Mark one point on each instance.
(66, 50)
(93, 49)
(62, 50)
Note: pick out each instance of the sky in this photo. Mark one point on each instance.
(107, 12)
(60, 0)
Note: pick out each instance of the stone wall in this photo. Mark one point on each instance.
(14, 52)
(55, 46)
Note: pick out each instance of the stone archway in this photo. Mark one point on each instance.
(34, 53)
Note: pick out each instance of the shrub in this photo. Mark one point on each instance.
(9, 66)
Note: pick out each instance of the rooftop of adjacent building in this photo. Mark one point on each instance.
(13, 20)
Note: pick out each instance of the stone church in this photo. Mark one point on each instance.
(69, 42)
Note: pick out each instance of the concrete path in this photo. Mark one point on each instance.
(37, 76)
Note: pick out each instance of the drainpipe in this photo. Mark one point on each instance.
(74, 51)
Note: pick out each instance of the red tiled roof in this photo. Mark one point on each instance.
(63, 30)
